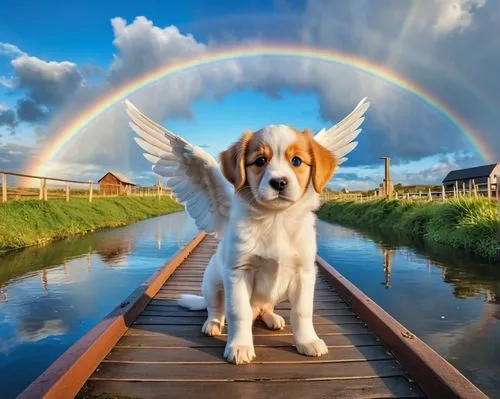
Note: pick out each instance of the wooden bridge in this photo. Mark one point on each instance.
(148, 347)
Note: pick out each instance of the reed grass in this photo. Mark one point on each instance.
(25, 223)
(469, 223)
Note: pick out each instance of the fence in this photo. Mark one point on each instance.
(489, 190)
(65, 189)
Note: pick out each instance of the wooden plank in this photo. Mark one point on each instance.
(376, 388)
(264, 355)
(190, 287)
(176, 291)
(188, 273)
(182, 279)
(181, 285)
(162, 311)
(170, 341)
(194, 331)
(248, 372)
(199, 262)
(436, 376)
(318, 304)
(322, 305)
(199, 320)
(67, 374)
(193, 268)
(174, 294)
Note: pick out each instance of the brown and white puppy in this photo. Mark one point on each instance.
(267, 253)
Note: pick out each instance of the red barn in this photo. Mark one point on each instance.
(114, 183)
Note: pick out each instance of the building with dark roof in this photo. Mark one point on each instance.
(469, 177)
(115, 183)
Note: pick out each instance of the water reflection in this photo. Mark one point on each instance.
(448, 298)
(388, 253)
(50, 296)
(115, 251)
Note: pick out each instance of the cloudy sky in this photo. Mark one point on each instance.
(59, 57)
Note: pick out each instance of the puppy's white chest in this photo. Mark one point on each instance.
(274, 241)
(271, 279)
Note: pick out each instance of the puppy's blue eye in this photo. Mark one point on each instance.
(296, 161)
(260, 161)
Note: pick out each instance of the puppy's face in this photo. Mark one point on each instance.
(274, 166)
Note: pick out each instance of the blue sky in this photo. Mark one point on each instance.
(61, 56)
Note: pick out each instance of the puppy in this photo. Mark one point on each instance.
(267, 253)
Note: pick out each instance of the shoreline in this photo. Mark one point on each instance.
(30, 223)
(471, 224)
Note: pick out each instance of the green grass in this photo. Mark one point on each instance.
(26, 223)
(472, 224)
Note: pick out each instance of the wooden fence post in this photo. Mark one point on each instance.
(45, 190)
(498, 188)
(489, 187)
(443, 193)
(429, 195)
(67, 192)
(91, 189)
(463, 188)
(4, 187)
(396, 195)
(40, 195)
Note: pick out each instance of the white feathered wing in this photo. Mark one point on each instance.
(339, 138)
(192, 174)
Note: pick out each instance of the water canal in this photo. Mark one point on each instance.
(50, 296)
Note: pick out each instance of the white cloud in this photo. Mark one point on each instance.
(8, 83)
(10, 50)
(143, 46)
(455, 15)
(401, 39)
(47, 82)
(46, 86)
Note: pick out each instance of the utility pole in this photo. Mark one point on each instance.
(387, 185)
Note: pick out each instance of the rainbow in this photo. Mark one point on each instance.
(71, 129)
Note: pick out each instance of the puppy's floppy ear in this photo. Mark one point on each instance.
(233, 161)
(323, 163)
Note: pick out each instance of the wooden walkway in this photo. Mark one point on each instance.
(163, 354)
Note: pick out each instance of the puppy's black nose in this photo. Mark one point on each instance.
(278, 184)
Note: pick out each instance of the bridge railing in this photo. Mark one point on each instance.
(65, 189)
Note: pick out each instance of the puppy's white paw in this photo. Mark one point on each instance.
(273, 321)
(239, 354)
(312, 348)
(212, 328)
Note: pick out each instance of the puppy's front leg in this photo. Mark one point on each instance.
(239, 347)
(301, 298)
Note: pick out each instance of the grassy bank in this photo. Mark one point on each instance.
(25, 223)
(469, 223)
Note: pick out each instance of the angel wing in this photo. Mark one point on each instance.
(339, 138)
(192, 174)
